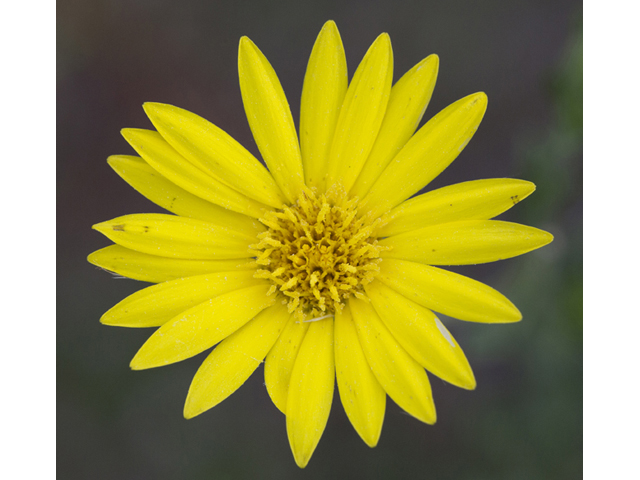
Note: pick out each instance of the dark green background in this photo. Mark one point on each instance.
(524, 420)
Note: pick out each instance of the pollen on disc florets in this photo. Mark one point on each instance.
(318, 252)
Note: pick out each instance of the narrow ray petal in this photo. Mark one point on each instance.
(407, 102)
(325, 85)
(447, 292)
(156, 305)
(233, 361)
(280, 361)
(428, 153)
(270, 119)
(361, 115)
(475, 200)
(422, 335)
(172, 236)
(155, 269)
(465, 243)
(137, 173)
(363, 398)
(311, 391)
(174, 167)
(215, 152)
(404, 380)
(201, 327)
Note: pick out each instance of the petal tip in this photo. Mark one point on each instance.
(469, 382)
(100, 227)
(114, 160)
(150, 107)
(511, 315)
(91, 258)
(245, 43)
(384, 40)
(108, 320)
(432, 63)
(433, 58)
(329, 25)
(129, 133)
(428, 66)
(109, 226)
(248, 54)
(155, 110)
(517, 317)
(371, 441)
(152, 110)
(480, 99)
(134, 364)
(189, 412)
(428, 418)
(301, 460)
(427, 412)
(139, 363)
(525, 188)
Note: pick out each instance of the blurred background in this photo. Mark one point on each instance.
(524, 420)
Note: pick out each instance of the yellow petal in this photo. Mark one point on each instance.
(428, 153)
(137, 173)
(422, 335)
(215, 152)
(325, 84)
(311, 391)
(361, 115)
(156, 305)
(404, 380)
(280, 360)
(174, 167)
(172, 236)
(362, 396)
(475, 200)
(270, 119)
(407, 102)
(233, 361)
(464, 243)
(155, 269)
(447, 292)
(201, 327)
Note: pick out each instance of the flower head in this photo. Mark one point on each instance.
(323, 265)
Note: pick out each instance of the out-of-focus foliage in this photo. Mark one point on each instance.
(534, 429)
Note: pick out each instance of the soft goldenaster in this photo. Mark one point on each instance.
(322, 266)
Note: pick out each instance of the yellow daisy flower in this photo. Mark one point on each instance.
(322, 266)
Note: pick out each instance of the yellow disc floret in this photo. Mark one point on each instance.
(318, 252)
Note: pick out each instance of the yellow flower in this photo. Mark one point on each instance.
(322, 266)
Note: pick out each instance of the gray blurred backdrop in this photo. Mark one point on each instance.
(524, 420)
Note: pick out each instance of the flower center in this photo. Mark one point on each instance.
(318, 253)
